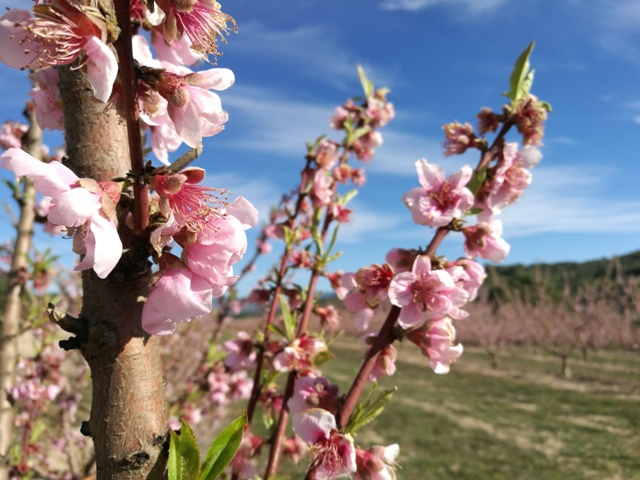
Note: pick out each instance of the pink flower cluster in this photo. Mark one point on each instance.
(212, 238)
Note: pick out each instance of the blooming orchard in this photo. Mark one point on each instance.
(137, 61)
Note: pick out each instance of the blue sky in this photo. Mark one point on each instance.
(295, 61)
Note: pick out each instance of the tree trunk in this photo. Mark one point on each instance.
(128, 422)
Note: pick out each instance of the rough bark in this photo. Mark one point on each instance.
(12, 315)
(128, 422)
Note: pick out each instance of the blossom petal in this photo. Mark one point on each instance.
(102, 68)
(313, 424)
(50, 179)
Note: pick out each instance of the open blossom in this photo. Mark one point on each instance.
(200, 20)
(435, 339)
(195, 111)
(440, 199)
(377, 463)
(472, 277)
(334, 453)
(11, 134)
(176, 297)
(46, 96)
(84, 206)
(485, 240)
(329, 317)
(422, 294)
(240, 352)
(313, 392)
(511, 178)
(59, 33)
(366, 288)
(299, 354)
(220, 245)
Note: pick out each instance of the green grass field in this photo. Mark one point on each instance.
(521, 421)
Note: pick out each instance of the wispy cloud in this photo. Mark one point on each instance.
(571, 199)
(473, 6)
(367, 222)
(272, 122)
(618, 28)
(310, 51)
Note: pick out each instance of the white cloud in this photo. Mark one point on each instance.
(274, 123)
(474, 6)
(366, 223)
(571, 200)
(311, 51)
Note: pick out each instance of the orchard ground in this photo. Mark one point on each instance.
(520, 421)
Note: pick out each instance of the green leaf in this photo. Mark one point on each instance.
(476, 180)
(545, 105)
(277, 330)
(223, 449)
(288, 317)
(367, 85)
(347, 197)
(473, 211)
(184, 455)
(521, 78)
(368, 410)
(321, 357)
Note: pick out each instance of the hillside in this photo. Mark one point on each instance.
(577, 274)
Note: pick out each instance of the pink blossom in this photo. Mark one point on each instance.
(329, 317)
(219, 388)
(484, 240)
(313, 392)
(439, 200)
(473, 277)
(511, 178)
(58, 34)
(365, 146)
(400, 259)
(459, 138)
(196, 112)
(422, 294)
(200, 20)
(177, 296)
(385, 364)
(220, 244)
(11, 134)
(377, 463)
(299, 354)
(334, 453)
(178, 52)
(46, 96)
(240, 385)
(240, 352)
(367, 288)
(435, 339)
(326, 154)
(294, 449)
(84, 205)
(321, 193)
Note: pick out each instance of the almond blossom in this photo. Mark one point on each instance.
(334, 453)
(435, 339)
(176, 297)
(84, 206)
(422, 294)
(240, 352)
(58, 34)
(440, 199)
(484, 240)
(377, 463)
